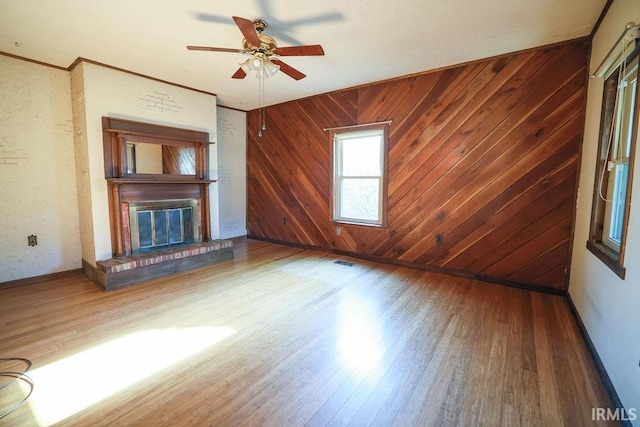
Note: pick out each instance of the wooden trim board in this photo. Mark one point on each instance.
(38, 279)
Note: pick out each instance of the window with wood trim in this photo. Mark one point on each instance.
(614, 170)
(359, 175)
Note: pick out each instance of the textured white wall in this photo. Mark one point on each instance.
(609, 306)
(82, 164)
(100, 91)
(232, 172)
(37, 171)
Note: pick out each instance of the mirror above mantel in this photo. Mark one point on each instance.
(135, 150)
(156, 159)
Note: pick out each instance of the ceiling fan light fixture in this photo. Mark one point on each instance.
(270, 68)
(262, 47)
(246, 66)
(257, 63)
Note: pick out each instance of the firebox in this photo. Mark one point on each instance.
(162, 224)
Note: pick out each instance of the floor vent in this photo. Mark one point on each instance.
(348, 264)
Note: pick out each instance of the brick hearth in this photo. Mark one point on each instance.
(118, 272)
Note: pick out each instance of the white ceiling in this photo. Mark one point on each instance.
(364, 40)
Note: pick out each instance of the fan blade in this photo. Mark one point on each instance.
(248, 31)
(240, 74)
(289, 70)
(215, 49)
(311, 50)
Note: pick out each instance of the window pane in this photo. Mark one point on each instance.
(619, 196)
(630, 94)
(624, 134)
(359, 198)
(361, 156)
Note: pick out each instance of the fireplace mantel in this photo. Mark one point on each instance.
(181, 172)
(120, 181)
(154, 171)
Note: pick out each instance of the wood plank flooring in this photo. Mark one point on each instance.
(282, 336)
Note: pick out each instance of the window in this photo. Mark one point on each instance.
(359, 174)
(614, 168)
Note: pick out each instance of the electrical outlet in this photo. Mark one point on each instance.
(284, 220)
(32, 240)
(338, 230)
(439, 239)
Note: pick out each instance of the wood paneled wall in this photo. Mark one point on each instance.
(485, 154)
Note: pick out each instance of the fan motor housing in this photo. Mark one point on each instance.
(267, 45)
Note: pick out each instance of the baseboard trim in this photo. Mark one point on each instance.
(38, 279)
(602, 372)
(434, 269)
(291, 244)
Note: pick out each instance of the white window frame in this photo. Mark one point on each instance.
(348, 133)
(622, 138)
(616, 151)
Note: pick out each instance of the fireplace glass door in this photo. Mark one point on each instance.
(154, 227)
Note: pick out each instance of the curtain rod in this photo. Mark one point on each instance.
(386, 122)
(609, 58)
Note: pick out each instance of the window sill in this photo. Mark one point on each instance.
(337, 222)
(608, 257)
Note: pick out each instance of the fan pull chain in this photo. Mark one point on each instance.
(261, 113)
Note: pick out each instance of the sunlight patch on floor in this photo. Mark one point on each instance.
(70, 385)
(360, 342)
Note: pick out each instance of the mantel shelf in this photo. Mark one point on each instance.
(159, 181)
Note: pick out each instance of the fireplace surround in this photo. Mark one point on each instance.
(176, 167)
(158, 189)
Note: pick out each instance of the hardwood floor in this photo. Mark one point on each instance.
(284, 336)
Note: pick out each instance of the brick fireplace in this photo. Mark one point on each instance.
(158, 183)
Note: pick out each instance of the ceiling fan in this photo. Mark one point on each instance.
(263, 50)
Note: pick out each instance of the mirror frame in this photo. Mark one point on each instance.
(118, 133)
